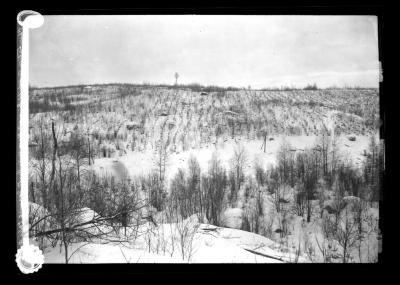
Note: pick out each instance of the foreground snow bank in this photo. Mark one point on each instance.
(105, 253)
(208, 244)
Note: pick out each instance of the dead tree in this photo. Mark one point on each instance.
(41, 166)
(214, 185)
(238, 161)
(264, 134)
(346, 235)
(193, 184)
(89, 152)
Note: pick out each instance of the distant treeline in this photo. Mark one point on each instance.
(126, 87)
(196, 87)
(315, 87)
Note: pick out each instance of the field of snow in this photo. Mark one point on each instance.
(218, 245)
(141, 163)
(208, 244)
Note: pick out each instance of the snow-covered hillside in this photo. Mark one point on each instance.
(142, 162)
(147, 174)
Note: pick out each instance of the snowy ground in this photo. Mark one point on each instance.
(206, 243)
(190, 124)
(224, 245)
(141, 163)
(219, 245)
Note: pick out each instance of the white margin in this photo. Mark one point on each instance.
(31, 20)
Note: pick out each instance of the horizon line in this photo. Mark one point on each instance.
(294, 87)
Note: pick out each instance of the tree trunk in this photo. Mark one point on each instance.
(66, 250)
(53, 159)
(265, 142)
(90, 154)
(308, 210)
(32, 190)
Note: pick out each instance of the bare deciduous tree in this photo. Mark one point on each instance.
(214, 185)
(238, 162)
(346, 235)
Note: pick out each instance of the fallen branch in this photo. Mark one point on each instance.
(265, 255)
(210, 229)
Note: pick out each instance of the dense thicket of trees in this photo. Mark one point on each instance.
(62, 185)
(374, 169)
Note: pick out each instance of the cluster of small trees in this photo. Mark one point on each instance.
(312, 174)
(347, 233)
(62, 185)
(374, 169)
(207, 194)
(203, 194)
(97, 211)
(324, 163)
(311, 87)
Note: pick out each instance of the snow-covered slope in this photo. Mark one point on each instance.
(141, 163)
(210, 245)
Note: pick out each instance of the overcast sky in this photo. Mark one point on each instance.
(261, 51)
